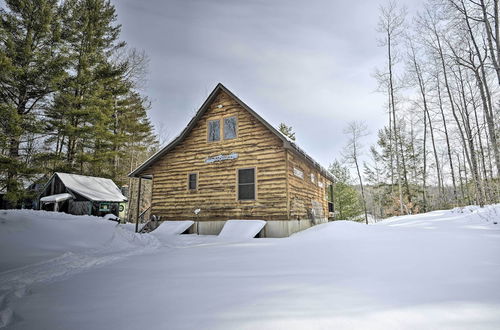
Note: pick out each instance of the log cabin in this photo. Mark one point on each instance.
(229, 163)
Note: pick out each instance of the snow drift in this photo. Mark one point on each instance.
(438, 270)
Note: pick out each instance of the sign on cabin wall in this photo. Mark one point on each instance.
(104, 207)
(220, 158)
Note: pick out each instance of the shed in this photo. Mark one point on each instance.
(80, 194)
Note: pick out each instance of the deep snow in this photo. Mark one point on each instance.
(439, 270)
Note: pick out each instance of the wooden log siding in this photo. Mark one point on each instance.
(302, 192)
(217, 182)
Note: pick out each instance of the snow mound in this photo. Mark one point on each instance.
(29, 237)
(240, 229)
(111, 216)
(170, 228)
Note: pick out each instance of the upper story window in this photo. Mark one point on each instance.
(230, 124)
(298, 172)
(313, 178)
(213, 130)
(228, 129)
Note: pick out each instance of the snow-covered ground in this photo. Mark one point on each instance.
(439, 270)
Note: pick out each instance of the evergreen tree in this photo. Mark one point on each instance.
(287, 131)
(84, 114)
(32, 63)
(345, 197)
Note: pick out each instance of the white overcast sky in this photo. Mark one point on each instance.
(306, 63)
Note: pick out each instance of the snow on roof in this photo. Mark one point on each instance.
(91, 187)
(56, 198)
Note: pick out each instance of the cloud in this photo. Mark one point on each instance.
(308, 64)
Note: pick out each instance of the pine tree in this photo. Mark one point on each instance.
(345, 197)
(32, 62)
(287, 131)
(83, 109)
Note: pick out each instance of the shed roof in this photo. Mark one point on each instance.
(287, 143)
(91, 187)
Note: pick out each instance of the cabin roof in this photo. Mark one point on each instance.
(93, 188)
(287, 143)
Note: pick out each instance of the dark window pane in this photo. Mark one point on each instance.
(229, 128)
(246, 184)
(192, 181)
(246, 191)
(246, 176)
(214, 130)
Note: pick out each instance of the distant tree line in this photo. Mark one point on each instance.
(440, 147)
(70, 93)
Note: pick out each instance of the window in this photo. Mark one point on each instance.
(329, 197)
(321, 184)
(246, 184)
(230, 128)
(192, 181)
(298, 172)
(313, 178)
(213, 130)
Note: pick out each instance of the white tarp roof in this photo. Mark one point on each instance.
(91, 187)
(170, 227)
(56, 198)
(241, 228)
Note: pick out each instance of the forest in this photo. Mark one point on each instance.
(439, 148)
(71, 94)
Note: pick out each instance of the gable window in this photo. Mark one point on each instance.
(246, 184)
(193, 181)
(213, 130)
(230, 128)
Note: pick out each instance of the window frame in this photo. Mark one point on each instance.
(238, 184)
(221, 120)
(313, 178)
(328, 194)
(208, 130)
(223, 128)
(296, 170)
(188, 181)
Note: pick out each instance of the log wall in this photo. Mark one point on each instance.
(304, 194)
(216, 195)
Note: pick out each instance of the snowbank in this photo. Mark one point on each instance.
(438, 270)
(40, 246)
(28, 237)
